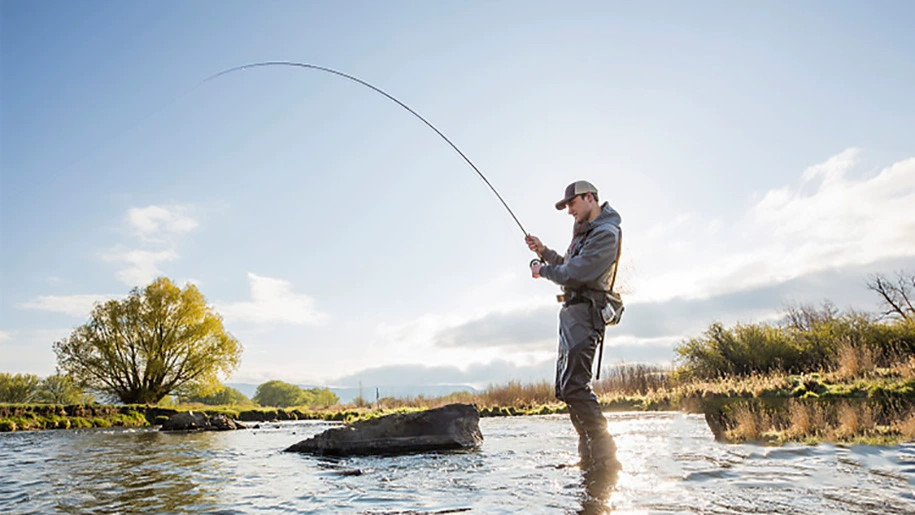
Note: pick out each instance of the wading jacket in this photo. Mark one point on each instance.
(587, 267)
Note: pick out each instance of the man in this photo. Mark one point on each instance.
(585, 273)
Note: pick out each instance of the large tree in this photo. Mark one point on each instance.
(158, 340)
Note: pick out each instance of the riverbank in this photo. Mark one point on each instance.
(878, 408)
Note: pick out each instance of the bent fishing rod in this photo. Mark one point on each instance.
(390, 97)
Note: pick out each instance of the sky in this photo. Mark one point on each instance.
(760, 156)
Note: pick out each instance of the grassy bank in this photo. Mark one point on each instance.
(818, 376)
(876, 407)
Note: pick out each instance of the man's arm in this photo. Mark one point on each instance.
(551, 256)
(547, 254)
(595, 258)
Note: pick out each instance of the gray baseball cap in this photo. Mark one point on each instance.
(574, 189)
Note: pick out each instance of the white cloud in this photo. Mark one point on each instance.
(273, 301)
(157, 228)
(830, 219)
(142, 265)
(72, 305)
(4, 336)
(159, 223)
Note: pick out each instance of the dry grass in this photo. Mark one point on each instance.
(749, 424)
(517, 394)
(855, 419)
(907, 427)
(633, 378)
(907, 368)
(805, 419)
(855, 360)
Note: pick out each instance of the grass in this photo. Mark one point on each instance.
(777, 407)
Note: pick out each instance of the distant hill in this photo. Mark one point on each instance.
(348, 394)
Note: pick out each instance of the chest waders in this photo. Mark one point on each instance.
(597, 300)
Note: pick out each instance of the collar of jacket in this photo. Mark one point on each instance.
(606, 215)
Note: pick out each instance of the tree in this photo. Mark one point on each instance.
(897, 296)
(154, 342)
(318, 398)
(19, 388)
(62, 389)
(279, 394)
(222, 396)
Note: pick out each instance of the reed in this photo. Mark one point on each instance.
(633, 378)
(855, 419)
(907, 427)
(855, 360)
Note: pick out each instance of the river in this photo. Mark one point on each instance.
(670, 463)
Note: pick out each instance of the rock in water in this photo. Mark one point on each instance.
(191, 421)
(455, 426)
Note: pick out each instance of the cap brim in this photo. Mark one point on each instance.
(562, 204)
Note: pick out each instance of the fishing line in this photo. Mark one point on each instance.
(390, 97)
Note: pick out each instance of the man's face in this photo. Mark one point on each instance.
(579, 208)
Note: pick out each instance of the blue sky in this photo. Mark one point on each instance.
(759, 155)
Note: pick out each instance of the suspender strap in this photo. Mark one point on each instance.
(616, 263)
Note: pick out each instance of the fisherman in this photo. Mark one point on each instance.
(586, 274)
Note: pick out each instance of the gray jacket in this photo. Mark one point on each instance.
(588, 263)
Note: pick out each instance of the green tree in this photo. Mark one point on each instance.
(222, 396)
(279, 394)
(19, 388)
(157, 340)
(62, 389)
(320, 398)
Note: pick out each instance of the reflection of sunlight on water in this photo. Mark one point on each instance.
(670, 463)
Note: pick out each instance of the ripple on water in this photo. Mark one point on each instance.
(670, 461)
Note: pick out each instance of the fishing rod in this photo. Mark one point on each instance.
(390, 97)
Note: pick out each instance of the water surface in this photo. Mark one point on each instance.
(670, 463)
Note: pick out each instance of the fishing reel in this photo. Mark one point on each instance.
(535, 261)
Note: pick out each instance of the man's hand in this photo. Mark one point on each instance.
(534, 244)
(535, 270)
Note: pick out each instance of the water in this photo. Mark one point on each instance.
(670, 464)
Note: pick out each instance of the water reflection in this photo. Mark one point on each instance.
(118, 471)
(598, 483)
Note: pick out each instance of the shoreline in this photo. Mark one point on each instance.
(769, 410)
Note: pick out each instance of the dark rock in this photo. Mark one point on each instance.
(191, 421)
(717, 423)
(455, 426)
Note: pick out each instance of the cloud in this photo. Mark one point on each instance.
(71, 305)
(4, 336)
(157, 228)
(829, 219)
(273, 301)
(159, 223)
(500, 371)
(475, 374)
(656, 326)
(512, 329)
(142, 265)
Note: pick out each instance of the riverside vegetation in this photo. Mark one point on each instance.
(816, 375)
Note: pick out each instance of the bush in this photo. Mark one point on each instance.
(19, 388)
(810, 341)
(221, 396)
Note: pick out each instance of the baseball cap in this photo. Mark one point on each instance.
(574, 189)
